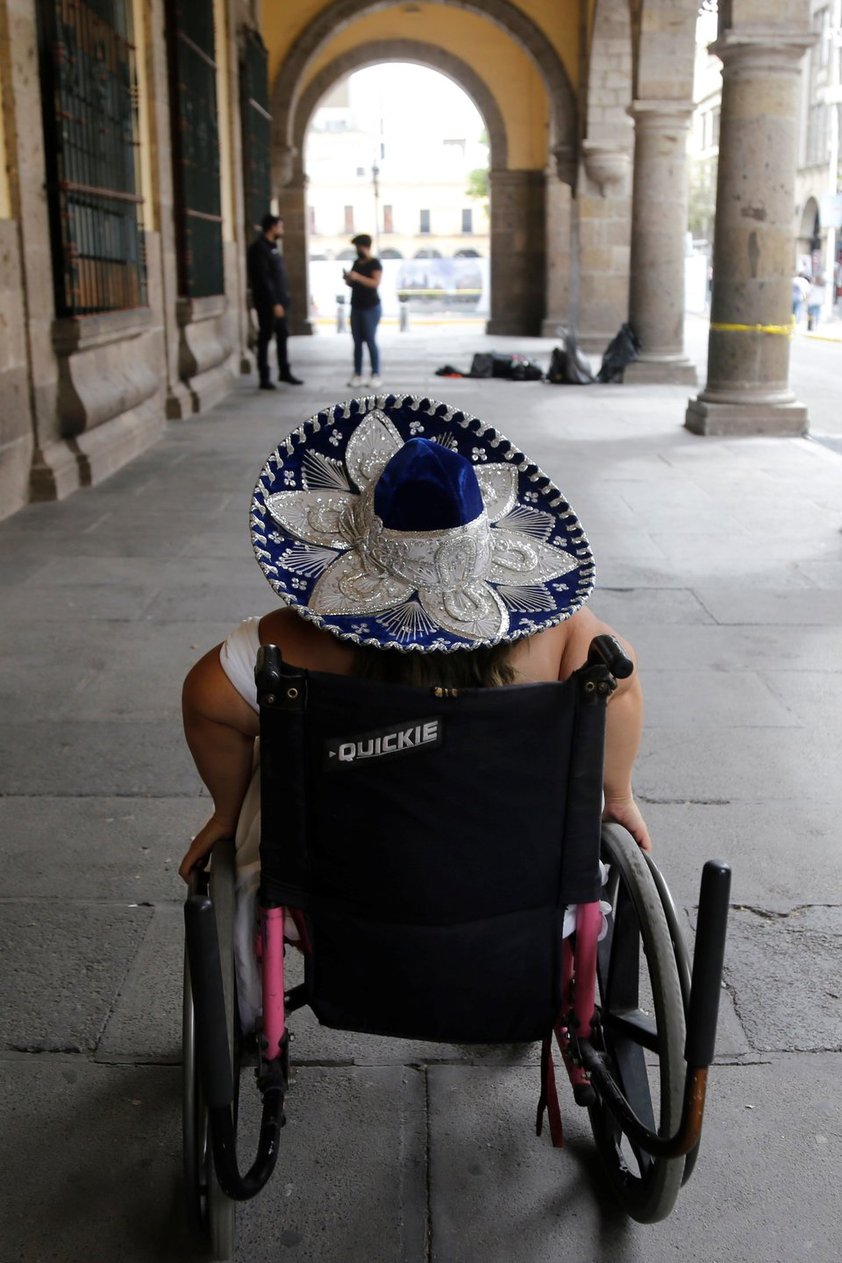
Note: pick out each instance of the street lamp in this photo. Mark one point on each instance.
(375, 172)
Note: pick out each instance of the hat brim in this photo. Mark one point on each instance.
(315, 489)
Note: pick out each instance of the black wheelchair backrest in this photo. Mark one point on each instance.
(432, 839)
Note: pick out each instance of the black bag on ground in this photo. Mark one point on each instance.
(623, 349)
(514, 368)
(568, 366)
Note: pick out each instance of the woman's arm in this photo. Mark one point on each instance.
(371, 282)
(220, 728)
(623, 726)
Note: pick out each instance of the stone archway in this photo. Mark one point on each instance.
(371, 54)
(519, 200)
(287, 89)
(423, 55)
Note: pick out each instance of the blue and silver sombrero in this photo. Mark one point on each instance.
(403, 523)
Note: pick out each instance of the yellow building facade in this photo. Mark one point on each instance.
(124, 223)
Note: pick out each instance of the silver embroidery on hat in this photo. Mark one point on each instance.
(415, 578)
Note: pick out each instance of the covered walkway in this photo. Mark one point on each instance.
(722, 561)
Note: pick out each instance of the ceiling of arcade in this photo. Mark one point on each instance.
(519, 60)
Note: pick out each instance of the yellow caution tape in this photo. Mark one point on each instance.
(784, 331)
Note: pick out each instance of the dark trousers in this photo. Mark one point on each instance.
(271, 326)
(364, 322)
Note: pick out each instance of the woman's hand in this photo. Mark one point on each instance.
(626, 812)
(200, 848)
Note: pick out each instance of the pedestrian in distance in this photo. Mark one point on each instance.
(270, 297)
(800, 290)
(363, 279)
(815, 302)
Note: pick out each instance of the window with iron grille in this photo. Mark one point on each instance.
(256, 127)
(195, 144)
(89, 95)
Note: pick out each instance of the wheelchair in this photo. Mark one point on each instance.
(431, 911)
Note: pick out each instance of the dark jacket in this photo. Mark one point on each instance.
(267, 274)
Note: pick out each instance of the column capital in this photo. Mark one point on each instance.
(764, 50)
(661, 115)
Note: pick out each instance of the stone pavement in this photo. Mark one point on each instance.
(720, 559)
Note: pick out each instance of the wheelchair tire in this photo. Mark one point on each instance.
(684, 966)
(211, 1213)
(649, 1070)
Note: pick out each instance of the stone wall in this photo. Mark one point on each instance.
(79, 397)
(15, 415)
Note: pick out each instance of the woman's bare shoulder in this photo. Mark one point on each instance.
(303, 644)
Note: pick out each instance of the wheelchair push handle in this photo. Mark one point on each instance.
(607, 651)
(708, 958)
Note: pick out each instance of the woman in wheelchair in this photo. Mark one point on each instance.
(441, 488)
(424, 562)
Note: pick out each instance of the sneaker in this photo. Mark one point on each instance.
(356, 380)
(376, 380)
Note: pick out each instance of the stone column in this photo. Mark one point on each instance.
(292, 207)
(558, 256)
(747, 390)
(659, 223)
(518, 253)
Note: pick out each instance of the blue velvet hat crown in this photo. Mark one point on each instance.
(427, 487)
(401, 522)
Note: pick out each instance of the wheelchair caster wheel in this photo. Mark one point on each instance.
(211, 1213)
(641, 1030)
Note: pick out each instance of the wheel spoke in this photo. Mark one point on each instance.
(622, 988)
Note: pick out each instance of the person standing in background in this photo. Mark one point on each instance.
(270, 297)
(800, 290)
(363, 279)
(815, 301)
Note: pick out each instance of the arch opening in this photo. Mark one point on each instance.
(399, 149)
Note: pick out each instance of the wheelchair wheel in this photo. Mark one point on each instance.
(641, 1029)
(211, 1213)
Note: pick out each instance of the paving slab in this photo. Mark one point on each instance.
(351, 1182)
(761, 1189)
(118, 848)
(97, 1163)
(744, 764)
(145, 1021)
(780, 851)
(712, 699)
(793, 952)
(95, 758)
(64, 965)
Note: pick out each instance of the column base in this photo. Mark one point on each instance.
(784, 420)
(661, 371)
(514, 328)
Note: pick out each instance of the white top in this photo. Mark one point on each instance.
(237, 658)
